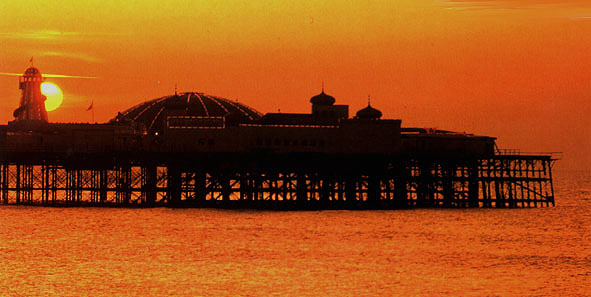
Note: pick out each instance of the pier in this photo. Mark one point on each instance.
(196, 150)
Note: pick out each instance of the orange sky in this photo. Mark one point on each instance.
(516, 70)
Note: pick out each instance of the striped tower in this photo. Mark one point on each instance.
(32, 103)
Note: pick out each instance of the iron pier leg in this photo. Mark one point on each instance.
(448, 175)
(473, 185)
(200, 186)
(150, 186)
(174, 184)
(325, 190)
(4, 182)
(225, 187)
(401, 177)
(301, 190)
(548, 166)
(351, 191)
(373, 191)
(18, 184)
(103, 185)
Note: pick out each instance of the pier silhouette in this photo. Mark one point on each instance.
(191, 149)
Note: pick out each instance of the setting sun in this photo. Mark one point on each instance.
(54, 95)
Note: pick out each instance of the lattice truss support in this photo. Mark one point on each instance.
(503, 181)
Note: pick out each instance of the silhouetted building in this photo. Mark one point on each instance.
(194, 149)
(32, 103)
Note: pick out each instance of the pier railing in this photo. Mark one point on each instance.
(518, 152)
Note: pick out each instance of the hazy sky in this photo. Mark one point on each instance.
(516, 70)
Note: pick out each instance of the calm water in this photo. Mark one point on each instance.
(191, 252)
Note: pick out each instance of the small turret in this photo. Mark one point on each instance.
(322, 99)
(323, 108)
(369, 113)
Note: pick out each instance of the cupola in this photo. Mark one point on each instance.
(369, 113)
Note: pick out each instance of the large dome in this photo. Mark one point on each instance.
(154, 113)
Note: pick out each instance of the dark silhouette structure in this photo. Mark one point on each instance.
(32, 103)
(196, 150)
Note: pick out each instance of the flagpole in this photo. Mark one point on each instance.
(91, 108)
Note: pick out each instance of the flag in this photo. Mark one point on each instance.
(91, 106)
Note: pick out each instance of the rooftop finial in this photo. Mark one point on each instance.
(31, 60)
(322, 86)
(368, 100)
(175, 90)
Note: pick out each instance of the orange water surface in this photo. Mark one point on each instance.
(203, 252)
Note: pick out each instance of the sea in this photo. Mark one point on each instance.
(47, 251)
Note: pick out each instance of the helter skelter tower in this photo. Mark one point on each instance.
(32, 103)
